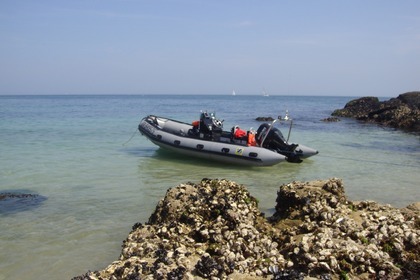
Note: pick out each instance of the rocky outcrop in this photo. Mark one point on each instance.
(214, 229)
(328, 233)
(402, 112)
(264, 119)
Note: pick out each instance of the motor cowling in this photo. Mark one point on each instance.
(275, 140)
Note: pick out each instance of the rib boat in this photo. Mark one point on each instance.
(206, 139)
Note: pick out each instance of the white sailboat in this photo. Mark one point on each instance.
(233, 93)
(264, 93)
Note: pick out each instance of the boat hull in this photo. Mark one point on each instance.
(173, 136)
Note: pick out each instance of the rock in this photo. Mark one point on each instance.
(264, 119)
(358, 108)
(12, 202)
(366, 236)
(201, 230)
(331, 119)
(17, 196)
(402, 112)
(412, 98)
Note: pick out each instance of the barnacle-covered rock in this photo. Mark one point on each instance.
(334, 235)
(210, 229)
(214, 230)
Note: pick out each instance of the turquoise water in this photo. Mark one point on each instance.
(99, 176)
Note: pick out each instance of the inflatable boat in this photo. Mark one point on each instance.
(206, 139)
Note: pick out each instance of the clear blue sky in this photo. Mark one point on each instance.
(316, 47)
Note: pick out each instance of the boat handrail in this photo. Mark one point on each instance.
(268, 130)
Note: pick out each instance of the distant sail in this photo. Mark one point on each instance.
(233, 93)
(264, 93)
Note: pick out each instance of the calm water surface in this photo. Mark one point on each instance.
(97, 176)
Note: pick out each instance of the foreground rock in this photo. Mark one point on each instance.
(402, 112)
(214, 229)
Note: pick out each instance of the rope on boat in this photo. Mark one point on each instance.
(135, 132)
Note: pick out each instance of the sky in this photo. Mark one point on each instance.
(313, 47)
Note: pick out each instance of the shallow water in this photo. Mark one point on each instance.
(100, 176)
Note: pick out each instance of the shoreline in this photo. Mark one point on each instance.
(214, 229)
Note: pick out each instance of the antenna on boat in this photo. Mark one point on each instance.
(287, 118)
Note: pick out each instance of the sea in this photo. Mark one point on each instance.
(93, 175)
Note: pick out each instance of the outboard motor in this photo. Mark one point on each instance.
(276, 141)
(210, 127)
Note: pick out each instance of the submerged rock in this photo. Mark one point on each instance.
(402, 112)
(16, 201)
(214, 229)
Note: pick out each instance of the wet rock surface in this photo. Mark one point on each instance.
(13, 202)
(402, 112)
(331, 119)
(214, 229)
(264, 119)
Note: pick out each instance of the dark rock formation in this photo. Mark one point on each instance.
(331, 119)
(214, 229)
(12, 202)
(402, 112)
(264, 119)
